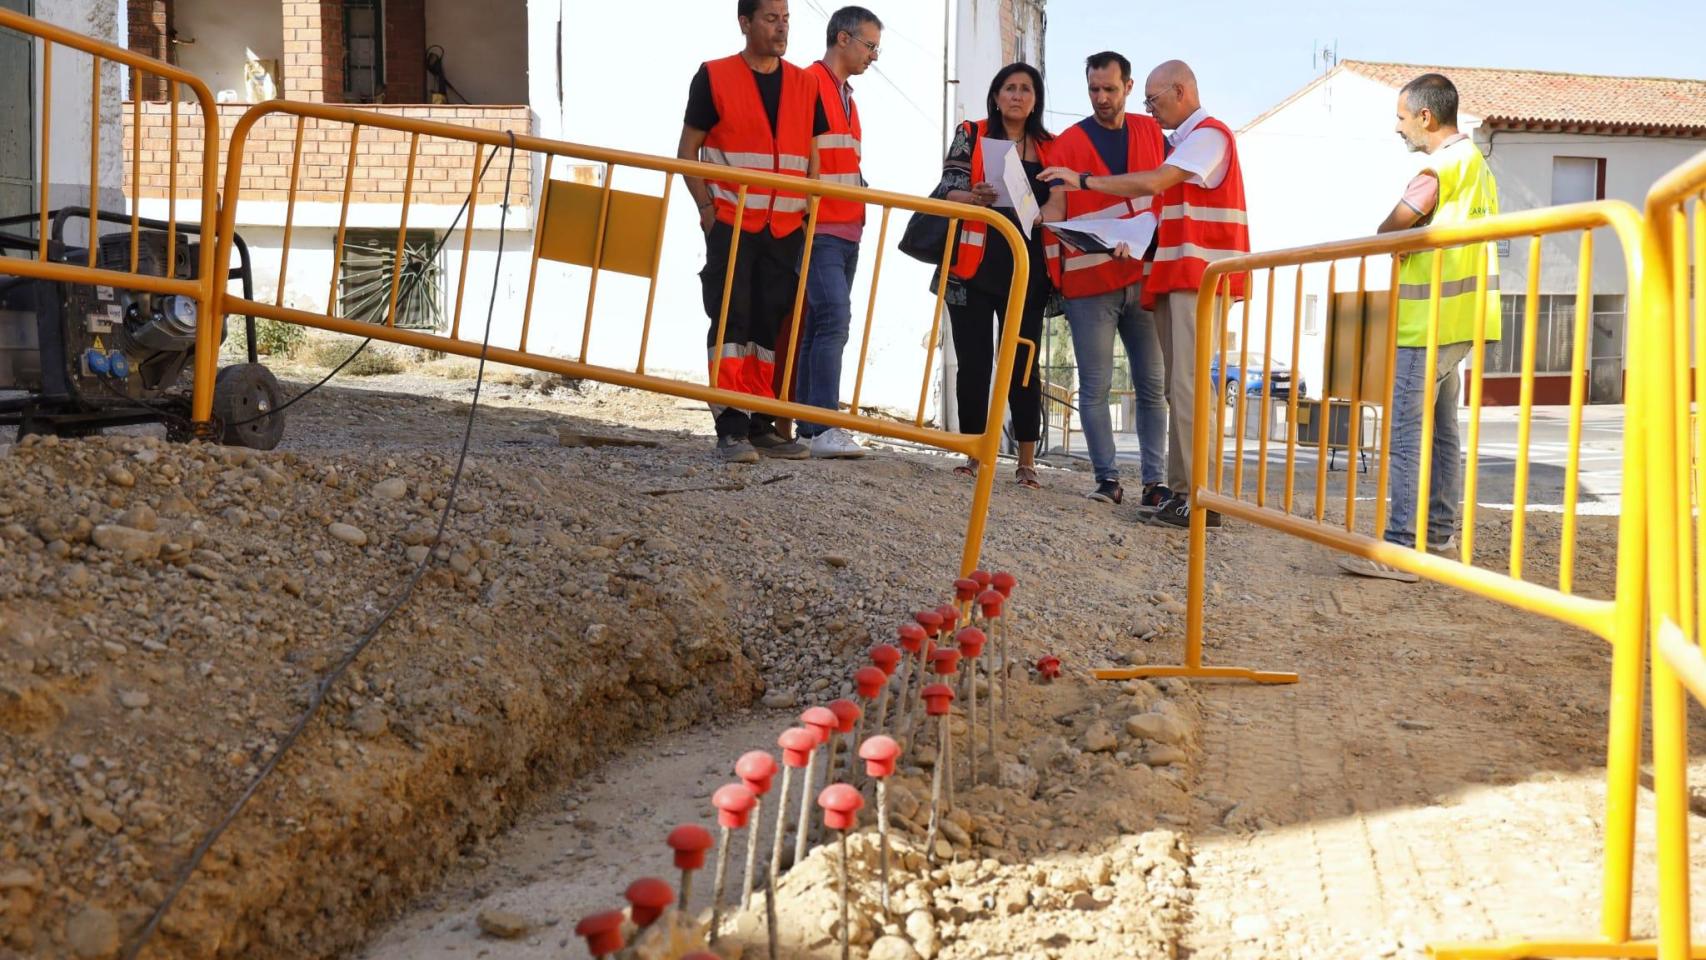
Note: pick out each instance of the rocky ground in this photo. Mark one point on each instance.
(167, 609)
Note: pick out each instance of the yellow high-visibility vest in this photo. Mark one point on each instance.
(1467, 192)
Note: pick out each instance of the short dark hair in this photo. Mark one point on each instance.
(1106, 59)
(1435, 93)
(746, 8)
(847, 20)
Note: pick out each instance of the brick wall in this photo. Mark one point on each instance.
(1022, 23)
(442, 167)
(405, 51)
(332, 50)
(150, 34)
(304, 74)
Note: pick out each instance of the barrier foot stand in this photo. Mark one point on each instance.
(1520, 949)
(1196, 673)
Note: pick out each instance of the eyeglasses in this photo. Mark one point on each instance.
(876, 50)
(1149, 102)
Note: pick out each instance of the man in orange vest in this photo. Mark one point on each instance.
(1202, 220)
(855, 35)
(752, 111)
(1104, 295)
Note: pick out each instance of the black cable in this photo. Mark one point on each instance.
(414, 280)
(336, 673)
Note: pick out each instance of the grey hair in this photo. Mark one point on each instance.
(1435, 93)
(848, 20)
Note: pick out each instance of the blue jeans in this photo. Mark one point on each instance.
(1445, 487)
(1094, 320)
(829, 311)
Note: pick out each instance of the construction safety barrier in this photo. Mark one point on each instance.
(605, 230)
(1372, 347)
(52, 260)
(1676, 284)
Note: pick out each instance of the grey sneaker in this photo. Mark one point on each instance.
(1364, 567)
(736, 450)
(771, 444)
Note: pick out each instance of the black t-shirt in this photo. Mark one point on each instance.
(1110, 144)
(702, 110)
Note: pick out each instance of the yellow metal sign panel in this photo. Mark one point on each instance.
(632, 230)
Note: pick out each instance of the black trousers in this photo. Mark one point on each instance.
(761, 301)
(977, 330)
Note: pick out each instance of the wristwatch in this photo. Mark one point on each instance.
(1084, 181)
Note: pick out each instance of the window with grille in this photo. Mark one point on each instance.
(366, 273)
(1555, 331)
(364, 50)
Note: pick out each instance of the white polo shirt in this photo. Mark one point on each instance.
(1199, 151)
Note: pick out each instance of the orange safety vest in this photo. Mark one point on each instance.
(1074, 272)
(742, 138)
(839, 150)
(1199, 226)
(968, 253)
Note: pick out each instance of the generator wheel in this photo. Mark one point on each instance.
(244, 396)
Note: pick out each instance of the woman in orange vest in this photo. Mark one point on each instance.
(982, 271)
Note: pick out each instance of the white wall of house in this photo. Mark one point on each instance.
(72, 131)
(221, 31)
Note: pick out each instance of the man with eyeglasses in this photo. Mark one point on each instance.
(854, 38)
(1203, 219)
(752, 111)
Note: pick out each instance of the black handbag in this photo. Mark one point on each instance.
(925, 237)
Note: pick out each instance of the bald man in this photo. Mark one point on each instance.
(1202, 220)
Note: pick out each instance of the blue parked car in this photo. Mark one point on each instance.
(1279, 377)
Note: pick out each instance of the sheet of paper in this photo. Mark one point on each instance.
(995, 154)
(1134, 232)
(1018, 186)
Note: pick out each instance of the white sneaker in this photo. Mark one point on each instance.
(836, 444)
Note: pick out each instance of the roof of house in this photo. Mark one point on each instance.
(1550, 101)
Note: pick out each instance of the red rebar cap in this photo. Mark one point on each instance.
(982, 577)
(950, 616)
(870, 682)
(647, 899)
(879, 754)
(965, 588)
(1004, 582)
(603, 933)
(930, 620)
(971, 641)
(937, 696)
(911, 636)
(1049, 666)
(797, 744)
(886, 656)
(840, 804)
(946, 660)
(991, 601)
(733, 802)
(820, 721)
(690, 841)
(847, 714)
(756, 768)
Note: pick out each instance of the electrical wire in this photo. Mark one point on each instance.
(336, 673)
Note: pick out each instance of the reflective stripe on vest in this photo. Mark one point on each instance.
(839, 150)
(1200, 226)
(1077, 274)
(743, 139)
(1467, 191)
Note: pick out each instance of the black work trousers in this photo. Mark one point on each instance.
(761, 300)
(977, 330)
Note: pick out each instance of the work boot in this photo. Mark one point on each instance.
(736, 450)
(771, 444)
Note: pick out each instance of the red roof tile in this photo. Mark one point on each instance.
(1539, 98)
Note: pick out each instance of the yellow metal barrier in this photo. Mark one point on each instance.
(201, 289)
(1676, 285)
(1617, 620)
(606, 229)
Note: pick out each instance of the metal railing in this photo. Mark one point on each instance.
(595, 226)
(1676, 289)
(1617, 619)
(45, 266)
